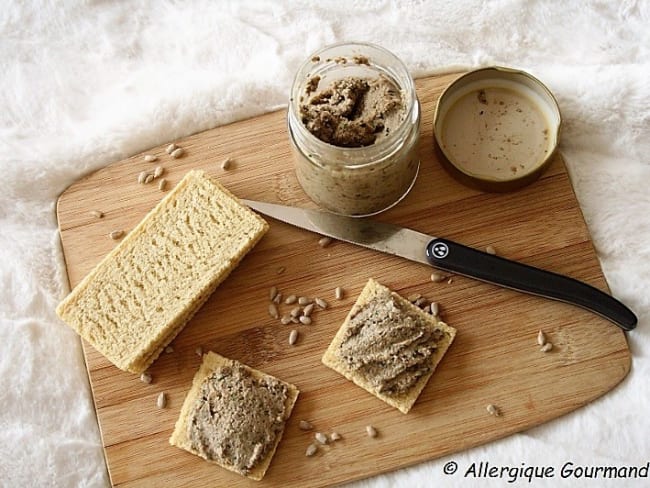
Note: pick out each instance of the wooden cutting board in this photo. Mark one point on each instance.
(495, 358)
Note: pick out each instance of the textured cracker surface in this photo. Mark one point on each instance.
(405, 401)
(212, 361)
(141, 295)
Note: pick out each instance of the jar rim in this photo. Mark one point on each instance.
(397, 72)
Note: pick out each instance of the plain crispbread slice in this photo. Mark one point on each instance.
(141, 295)
(332, 359)
(180, 438)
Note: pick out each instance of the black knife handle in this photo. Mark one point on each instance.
(451, 256)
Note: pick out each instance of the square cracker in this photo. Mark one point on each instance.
(333, 360)
(212, 361)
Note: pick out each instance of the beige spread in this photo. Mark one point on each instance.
(237, 417)
(389, 345)
(352, 111)
(497, 133)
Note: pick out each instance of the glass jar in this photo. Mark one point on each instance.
(355, 181)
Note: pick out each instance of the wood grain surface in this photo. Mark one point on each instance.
(494, 359)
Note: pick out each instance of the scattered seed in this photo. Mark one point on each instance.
(150, 158)
(305, 425)
(146, 378)
(116, 234)
(438, 277)
(541, 338)
(450, 281)
(293, 337)
(335, 436)
(493, 410)
(303, 301)
(281, 270)
(148, 179)
(142, 176)
(308, 310)
(272, 292)
(171, 148)
(158, 171)
(338, 293)
(273, 310)
(305, 320)
(324, 241)
(320, 437)
(161, 401)
(225, 164)
(371, 431)
(199, 351)
(277, 298)
(96, 213)
(321, 303)
(295, 311)
(490, 250)
(162, 184)
(546, 347)
(169, 350)
(294, 320)
(177, 153)
(291, 299)
(413, 298)
(435, 308)
(286, 319)
(311, 450)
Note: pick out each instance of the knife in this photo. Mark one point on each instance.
(452, 257)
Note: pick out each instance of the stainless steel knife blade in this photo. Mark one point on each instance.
(453, 257)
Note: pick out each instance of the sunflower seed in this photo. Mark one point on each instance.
(413, 298)
(305, 320)
(158, 171)
(308, 310)
(321, 303)
(116, 234)
(171, 148)
(546, 347)
(148, 179)
(303, 301)
(305, 425)
(541, 338)
(294, 320)
(96, 213)
(338, 293)
(320, 437)
(273, 310)
(438, 277)
(490, 250)
(295, 311)
(169, 350)
(225, 164)
(450, 281)
(278, 298)
(199, 351)
(493, 410)
(293, 337)
(177, 153)
(311, 450)
(142, 176)
(162, 184)
(146, 378)
(150, 158)
(335, 436)
(161, 401)
(291, 299)
(371, 431)
(272, 292)
(324, 241)
(285, 319)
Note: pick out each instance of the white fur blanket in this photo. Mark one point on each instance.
(85, 83)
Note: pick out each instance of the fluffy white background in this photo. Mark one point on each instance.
(83, 84)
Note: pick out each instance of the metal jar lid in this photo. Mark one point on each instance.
(496, 129)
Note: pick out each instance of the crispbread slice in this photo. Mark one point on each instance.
(212, 361)
(405, 401)
(141, 295)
